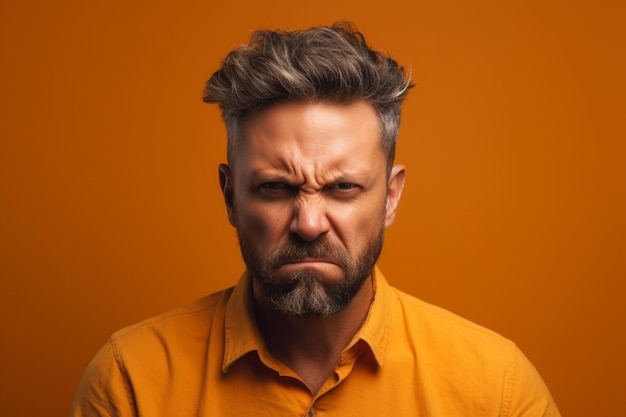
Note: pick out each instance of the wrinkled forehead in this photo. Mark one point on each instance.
(241, 126)
(303, 132)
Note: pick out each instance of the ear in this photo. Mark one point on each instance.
(226, 183)
(394, 191)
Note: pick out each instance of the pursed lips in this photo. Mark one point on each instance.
(311, 260)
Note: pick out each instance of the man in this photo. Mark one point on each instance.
(312, 328)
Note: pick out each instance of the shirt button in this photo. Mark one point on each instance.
(311, 413)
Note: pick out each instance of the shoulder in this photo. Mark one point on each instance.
(464, 358)
(149, 359)
(179, 326)
(449, 342)
(443, 324)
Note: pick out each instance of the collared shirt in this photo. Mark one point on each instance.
(408, 359)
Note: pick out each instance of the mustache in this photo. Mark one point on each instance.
(298, 249)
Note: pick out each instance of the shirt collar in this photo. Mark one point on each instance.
(242, 335)
(375, 328)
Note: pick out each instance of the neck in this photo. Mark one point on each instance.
(311, 346)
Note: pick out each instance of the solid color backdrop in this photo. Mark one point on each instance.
(513, 215)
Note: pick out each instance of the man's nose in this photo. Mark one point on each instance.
(309, 219)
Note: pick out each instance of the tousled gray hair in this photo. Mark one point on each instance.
(322, 63)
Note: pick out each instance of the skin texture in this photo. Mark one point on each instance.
(307, 173)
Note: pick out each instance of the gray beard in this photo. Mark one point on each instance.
(306, 293)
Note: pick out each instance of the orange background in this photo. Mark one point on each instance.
(513, 216)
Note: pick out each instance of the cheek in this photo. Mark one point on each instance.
(357, 224)
(266, 226)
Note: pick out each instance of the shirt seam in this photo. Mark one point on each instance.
(509, 384)
(125, 378)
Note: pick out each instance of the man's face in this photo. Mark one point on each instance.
(309, 195)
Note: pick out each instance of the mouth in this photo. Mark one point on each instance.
(310, 262)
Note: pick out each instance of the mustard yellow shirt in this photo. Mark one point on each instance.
(408, 359)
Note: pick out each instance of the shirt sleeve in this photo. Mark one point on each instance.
(104, 390)
(525, 393)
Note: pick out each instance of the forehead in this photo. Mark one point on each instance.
(307, 132)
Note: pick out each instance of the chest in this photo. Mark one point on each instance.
(357, 389)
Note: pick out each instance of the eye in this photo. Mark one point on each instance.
(344, 186)
(344, 190)
(276, 190)
(273, 186)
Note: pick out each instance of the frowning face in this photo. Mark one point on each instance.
(309, 194)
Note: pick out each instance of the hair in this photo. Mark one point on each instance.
(322, 63)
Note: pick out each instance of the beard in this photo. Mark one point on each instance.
(306, 292)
